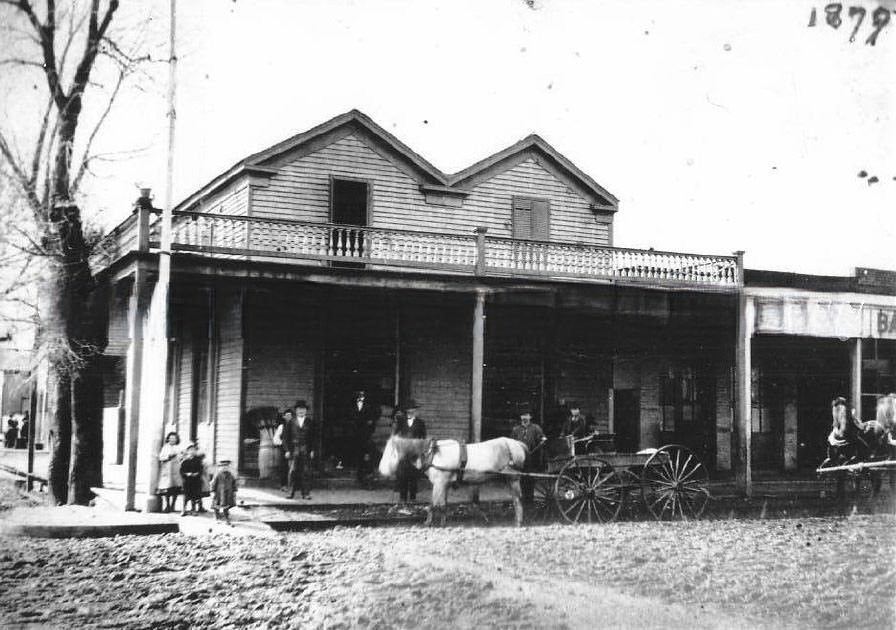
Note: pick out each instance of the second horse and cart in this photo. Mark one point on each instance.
(583, 481)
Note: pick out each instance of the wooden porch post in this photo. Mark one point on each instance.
(743, 369)
(855, 382)
(478, 363)
(133, 381)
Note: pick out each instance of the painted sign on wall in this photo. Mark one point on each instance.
(818, 317)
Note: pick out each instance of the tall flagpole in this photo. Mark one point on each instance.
(159, 315)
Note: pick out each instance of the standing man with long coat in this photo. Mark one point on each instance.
(298, 445)
(362, 417)
(408, 425)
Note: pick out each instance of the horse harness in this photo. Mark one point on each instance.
(430, 454)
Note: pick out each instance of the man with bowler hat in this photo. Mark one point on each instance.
(298, 446)
(408, 425)
(532, 436)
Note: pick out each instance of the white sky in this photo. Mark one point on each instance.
(719, 125)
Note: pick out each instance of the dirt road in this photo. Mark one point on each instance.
(711, 574)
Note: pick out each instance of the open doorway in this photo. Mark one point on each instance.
(349, 207)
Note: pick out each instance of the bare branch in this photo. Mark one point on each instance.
(22, 62)
(96, 31)
(39, 148)
(20, 177)
(47, 35)
(85, 158)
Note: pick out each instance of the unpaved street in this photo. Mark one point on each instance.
(711, 574)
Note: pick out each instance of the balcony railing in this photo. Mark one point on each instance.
(257, 239)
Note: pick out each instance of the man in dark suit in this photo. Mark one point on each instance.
(576, 425)
(298, 445)
(532, 436)
(362, 416)
(408, 425)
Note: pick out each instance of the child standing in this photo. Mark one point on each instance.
(223, 491)
(191, 473)
(169, 483)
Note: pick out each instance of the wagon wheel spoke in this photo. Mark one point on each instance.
(674, 484)
(589, 489)
(543, 500)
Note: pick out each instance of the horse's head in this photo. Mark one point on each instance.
(390, 459)
(886, 412)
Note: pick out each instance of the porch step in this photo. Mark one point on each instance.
(341, 482)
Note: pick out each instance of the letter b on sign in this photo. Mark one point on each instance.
(886, 324)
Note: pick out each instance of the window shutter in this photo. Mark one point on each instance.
(522, 218)
(541, 221)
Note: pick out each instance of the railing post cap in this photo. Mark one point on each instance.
(481, 230)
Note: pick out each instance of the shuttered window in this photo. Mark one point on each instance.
(531, 219)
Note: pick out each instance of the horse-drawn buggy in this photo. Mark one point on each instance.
(587, 480)
(582, 480)
(860, 452)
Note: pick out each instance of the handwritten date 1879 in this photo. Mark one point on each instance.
(834, 18)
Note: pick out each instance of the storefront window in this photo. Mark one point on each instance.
(679, 398)
(878, 373)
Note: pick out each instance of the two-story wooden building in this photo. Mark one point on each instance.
(340, 259)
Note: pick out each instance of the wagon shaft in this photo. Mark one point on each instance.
(857, 466)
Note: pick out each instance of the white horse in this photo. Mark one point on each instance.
(441, 461)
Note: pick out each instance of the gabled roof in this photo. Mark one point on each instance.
(260, 163)
(351, 117)
(264, 163)
(532, 143)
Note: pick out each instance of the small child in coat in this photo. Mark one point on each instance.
(191, 473)
(223, 491)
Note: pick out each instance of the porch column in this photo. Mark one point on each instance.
(743, 371)
(855, 381)
(478, 363)
(133, 382)
(154, 423)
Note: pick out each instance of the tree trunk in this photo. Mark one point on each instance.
(60, 444)
(76, 319)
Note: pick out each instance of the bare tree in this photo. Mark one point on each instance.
(68, 46)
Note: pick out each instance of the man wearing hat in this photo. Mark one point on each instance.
(298, 446)
(532, 436)
(408, 425)
(362, 417)
(575, 425)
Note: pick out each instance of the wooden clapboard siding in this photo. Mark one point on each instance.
(301, 191)
(232, 200)
(119, 339)
(230, 375)
(185, 379)
(281, 349)
(437, 355)
(571, 218)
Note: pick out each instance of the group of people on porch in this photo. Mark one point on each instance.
(297, 435)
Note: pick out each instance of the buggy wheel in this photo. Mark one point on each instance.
(589, 490)
(543, 504)
(674, 484)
